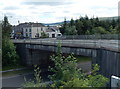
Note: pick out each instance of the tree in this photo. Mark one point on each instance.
(6, 28)
(72, 22)
(62, 29)
(99, 30)
(9, 55)
(79, 26)
(66, 73)
(70, 31)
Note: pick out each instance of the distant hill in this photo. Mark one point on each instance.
(54, 24)
(100, 18)
(108, 18)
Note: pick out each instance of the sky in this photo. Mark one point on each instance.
(51, 11)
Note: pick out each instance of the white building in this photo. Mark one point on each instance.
(34, 30)
(53, 32)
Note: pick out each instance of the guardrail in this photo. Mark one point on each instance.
(96, 36)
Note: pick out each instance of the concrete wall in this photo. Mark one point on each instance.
(109, 62)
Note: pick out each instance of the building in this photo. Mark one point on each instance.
(53, 32)
(34, 30)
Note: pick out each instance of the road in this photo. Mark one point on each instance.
(17, 81)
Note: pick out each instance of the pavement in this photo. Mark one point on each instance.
(18, 80)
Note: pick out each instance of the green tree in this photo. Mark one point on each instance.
(9, 55)
(66, 73)
(6, 28)
(79, 26)
(70, 30)
(99, 30)
(62, 29)
(71, 22)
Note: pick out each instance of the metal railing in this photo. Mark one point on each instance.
(90, 37)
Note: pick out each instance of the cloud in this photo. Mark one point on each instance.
(49, 11)
(11, 8)
(48, 3)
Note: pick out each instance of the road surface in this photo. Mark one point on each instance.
(17, 81)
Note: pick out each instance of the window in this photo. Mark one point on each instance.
(41, 29)
(29, 30)
(26, 35)
(30, 35)
(58, 35)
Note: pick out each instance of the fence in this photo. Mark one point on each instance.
(96, 36)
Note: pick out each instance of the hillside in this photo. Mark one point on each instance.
(108, 18)
(100, 18)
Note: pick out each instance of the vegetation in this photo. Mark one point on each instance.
(12, 67)
(38, 80)
(9, 55)
(66, 74)
(44, 35)
(70, 30)
(84, 25)
(82, 59)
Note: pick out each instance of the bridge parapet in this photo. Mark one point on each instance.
(112, 45)
(92, 37)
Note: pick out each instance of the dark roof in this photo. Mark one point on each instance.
(30, 24)
(50, 30)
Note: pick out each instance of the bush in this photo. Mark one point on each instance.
(44, 35)
(70, 31)
(38, 80)
(66, 73)
(9, 55)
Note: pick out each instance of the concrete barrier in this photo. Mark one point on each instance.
(115, 82)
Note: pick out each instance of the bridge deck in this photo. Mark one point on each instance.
(112, 45)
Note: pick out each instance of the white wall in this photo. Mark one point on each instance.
(35, 30)
(50, 34)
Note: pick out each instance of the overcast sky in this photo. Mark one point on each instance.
(50, 11)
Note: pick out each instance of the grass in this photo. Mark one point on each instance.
(18, 72)
(83, 58)
(12, 67)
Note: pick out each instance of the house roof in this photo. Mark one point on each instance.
(30, 24)
(52, 29)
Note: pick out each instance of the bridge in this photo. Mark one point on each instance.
(104, 52)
